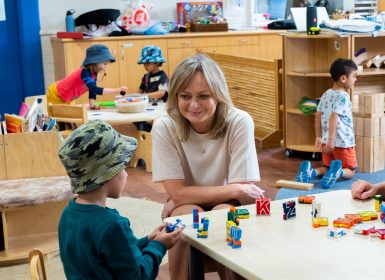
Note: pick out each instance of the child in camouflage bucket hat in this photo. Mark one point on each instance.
(95, 241)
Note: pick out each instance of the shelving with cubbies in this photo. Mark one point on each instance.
(307, 61)
(370, 80)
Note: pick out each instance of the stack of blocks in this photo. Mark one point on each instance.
(369, 125)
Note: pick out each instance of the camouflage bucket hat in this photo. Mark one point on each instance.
(151, 54)
(93, 154)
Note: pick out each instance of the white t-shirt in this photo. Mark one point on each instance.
(201, 161)
(337, 101)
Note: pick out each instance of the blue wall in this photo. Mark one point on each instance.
(21, 72)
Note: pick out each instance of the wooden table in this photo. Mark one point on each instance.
(273, 248)
(113, 117)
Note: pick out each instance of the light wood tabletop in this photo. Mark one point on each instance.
(273, 248)
(113, 117)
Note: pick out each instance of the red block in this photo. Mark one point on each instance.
(263, 206)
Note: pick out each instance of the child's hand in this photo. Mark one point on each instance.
(156, 232)
(318, 144)
(169, 239)
(123, 88)
(167, 209)
(247, 193)
(329, 146)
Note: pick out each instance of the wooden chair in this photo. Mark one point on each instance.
(74, 115)
(143, 150)
(36, 265)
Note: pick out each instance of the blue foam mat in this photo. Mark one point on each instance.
(375, 177)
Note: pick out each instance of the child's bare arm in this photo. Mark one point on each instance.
(333, 120)
(318, 135)
(157, 94)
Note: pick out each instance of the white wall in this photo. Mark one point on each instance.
(53, 12)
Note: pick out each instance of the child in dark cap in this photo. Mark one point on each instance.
(95, 241)
(84, 79)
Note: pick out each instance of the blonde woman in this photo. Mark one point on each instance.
(204, 150)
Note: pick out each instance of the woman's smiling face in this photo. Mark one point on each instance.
(197, 104)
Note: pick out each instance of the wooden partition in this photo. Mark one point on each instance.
(255, 87)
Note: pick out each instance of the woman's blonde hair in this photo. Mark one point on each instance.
(181, 78)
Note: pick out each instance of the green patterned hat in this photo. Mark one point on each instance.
(93, 154)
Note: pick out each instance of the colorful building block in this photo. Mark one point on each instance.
(377, 202)
(289, 210)
(229, 224)
(355, 218)
(242, 213)
(380, 233)
(195, 213)
(203, 232)
(235, 236)
(305, 199)
(320, 222)
(342, 223)
(263, 206)
(232, 215)
(368, 215)
(363, 229)
(336, 232)
(316, 209)
(382, 216)
(173, 227)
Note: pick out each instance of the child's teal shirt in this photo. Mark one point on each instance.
(97, 243)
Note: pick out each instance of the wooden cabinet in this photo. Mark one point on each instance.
(307, 61)
(69, 54)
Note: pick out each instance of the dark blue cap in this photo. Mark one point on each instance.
(98, 54)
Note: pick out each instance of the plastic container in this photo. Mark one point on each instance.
(70, 21)
(132, 103)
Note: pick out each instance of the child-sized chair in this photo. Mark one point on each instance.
(36, 265)
(143, 150)
(69, 114)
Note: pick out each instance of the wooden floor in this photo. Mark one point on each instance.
(274, 165)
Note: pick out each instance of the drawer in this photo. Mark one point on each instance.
(220, 41)
(244, 40)
(187, 43)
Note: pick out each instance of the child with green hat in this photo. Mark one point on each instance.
(84, 79)
(95, 241)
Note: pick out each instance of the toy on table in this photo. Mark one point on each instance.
(235, 234)
(382, 216)
(232, 215)
(368, 215)
(289, 210)
(342, 223)
(203, 232)
(314, 30)
(380, 233)
(320, 222)
(242, 213)
(195, 213)
(377, 202)
(363, 229)
(173, 227)
(262, 206)
(336, 232)
(316, 209)
(355, 218)
(304, 199)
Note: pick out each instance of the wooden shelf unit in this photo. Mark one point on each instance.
(371, 80)
(307, 61)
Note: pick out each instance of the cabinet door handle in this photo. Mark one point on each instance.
(122, 47)
(242, 41)
(186, 44)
